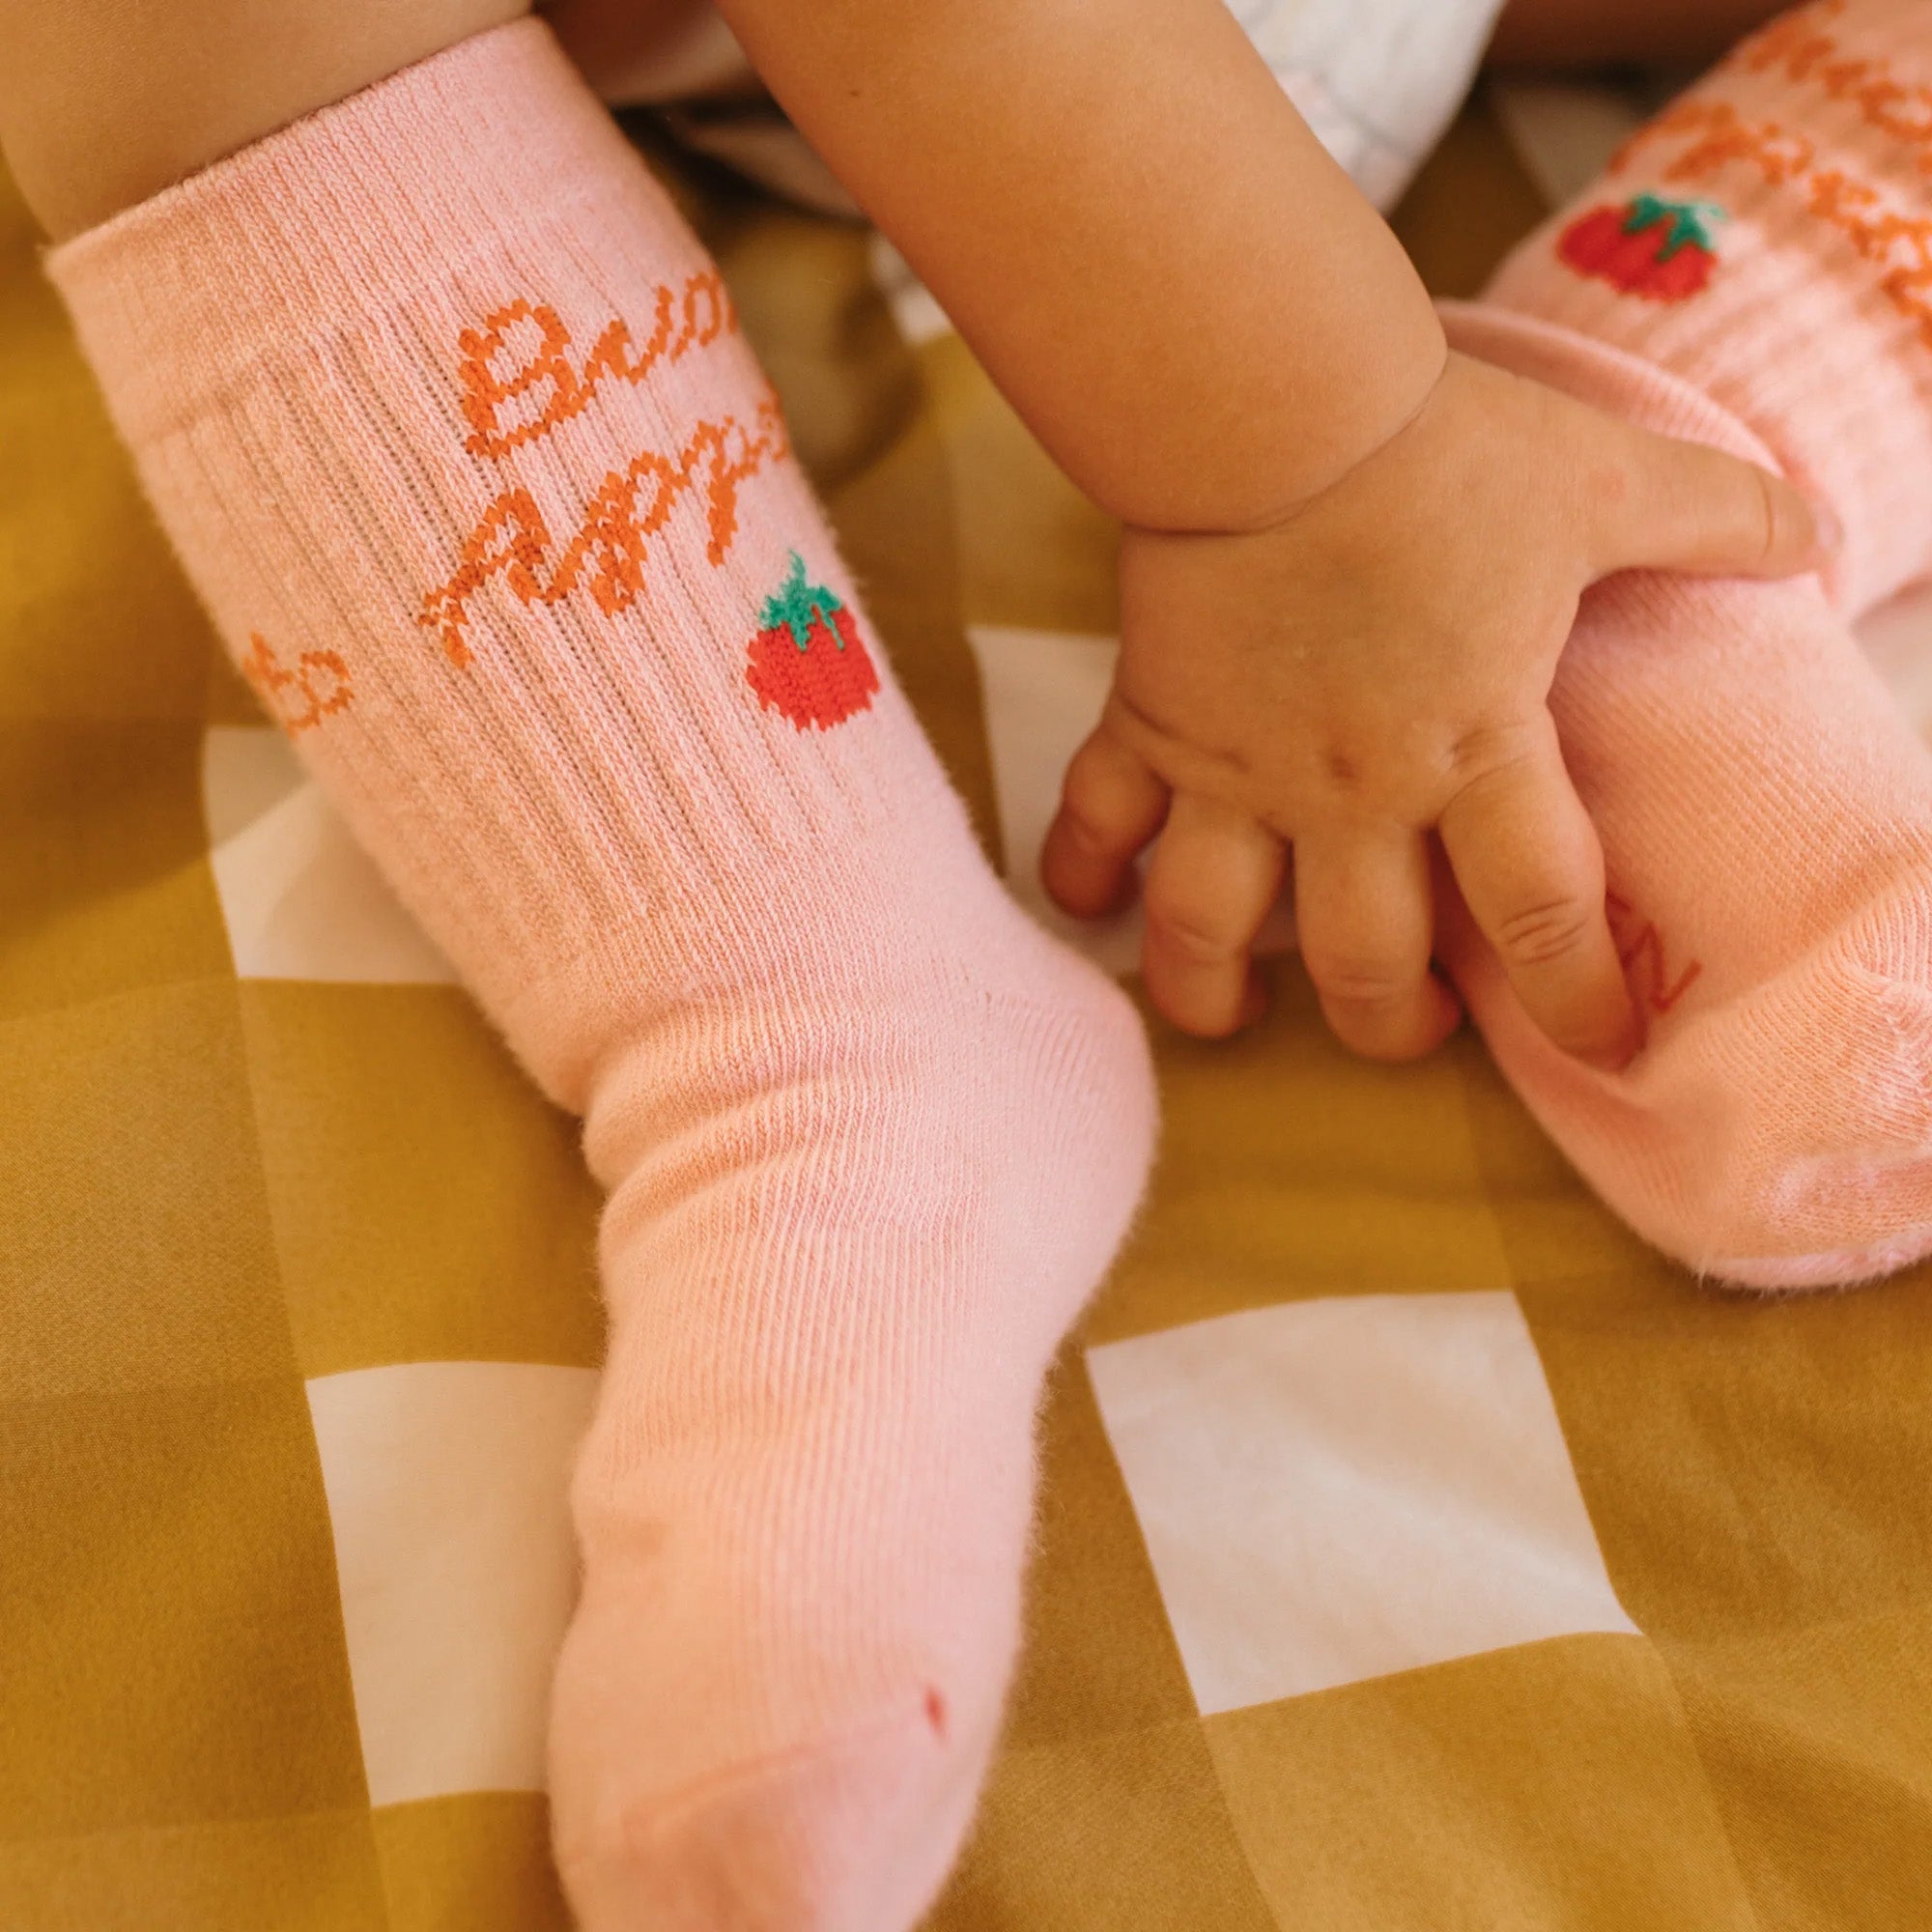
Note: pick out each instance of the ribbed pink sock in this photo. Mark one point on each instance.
(450, 420)
(1756, 271)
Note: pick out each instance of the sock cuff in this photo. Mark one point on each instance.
(1562, 358)
(327, 223)
(450, 418)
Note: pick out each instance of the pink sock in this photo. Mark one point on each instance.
(450, 420)
(1755, 272)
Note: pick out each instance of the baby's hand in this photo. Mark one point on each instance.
(1375, 667)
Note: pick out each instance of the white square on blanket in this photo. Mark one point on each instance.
(302, 900)
(1042, 692)
(447, 1498)
(1340, 1489)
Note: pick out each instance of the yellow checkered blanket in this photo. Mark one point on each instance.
(1416, 1553)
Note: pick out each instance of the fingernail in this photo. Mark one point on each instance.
(1830, 532)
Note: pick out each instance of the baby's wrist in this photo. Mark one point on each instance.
(1322, 451)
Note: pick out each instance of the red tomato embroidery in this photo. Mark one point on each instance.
(807, 661)
(1661, 250)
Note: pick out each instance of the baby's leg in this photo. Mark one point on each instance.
(1755, 270)
(451, 423)
(104, 103)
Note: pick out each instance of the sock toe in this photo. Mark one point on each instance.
(1778, 1139)
(1851, 1193)
(852, 1835)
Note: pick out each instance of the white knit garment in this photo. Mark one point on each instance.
(1377, 81)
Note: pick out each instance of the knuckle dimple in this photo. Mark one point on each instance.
(1466, 753)
(1483, 753)
(1084, 830)
(1534, 935)
(1364, 985)
(1342, 769)
(1192, 938)
(1087, 793)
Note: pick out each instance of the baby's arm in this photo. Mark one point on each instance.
(1186, 298)
(1352, 559)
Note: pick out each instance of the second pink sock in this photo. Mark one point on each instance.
(1744, 276)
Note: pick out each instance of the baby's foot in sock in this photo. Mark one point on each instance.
(837, 1275)
(449, 419)
(1767, 822)
(1753, 275)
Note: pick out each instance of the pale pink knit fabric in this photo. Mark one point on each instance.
(451, 423)
(1754, 272)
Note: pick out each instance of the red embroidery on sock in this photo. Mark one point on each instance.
(298, 699)
(608, 547)
(1657, 249)
(693, 317)
(1645, 943)
(807, 661)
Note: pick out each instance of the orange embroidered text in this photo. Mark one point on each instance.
(1795, 46)
(1716, 133)
(298, 699)
(608, 549)
(693, 317)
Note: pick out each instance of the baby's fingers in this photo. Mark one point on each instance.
(1214, 876)
(1531, 871)
(1362, 911)
(1110, 806)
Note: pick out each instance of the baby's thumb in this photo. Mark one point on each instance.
(1689, 507)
